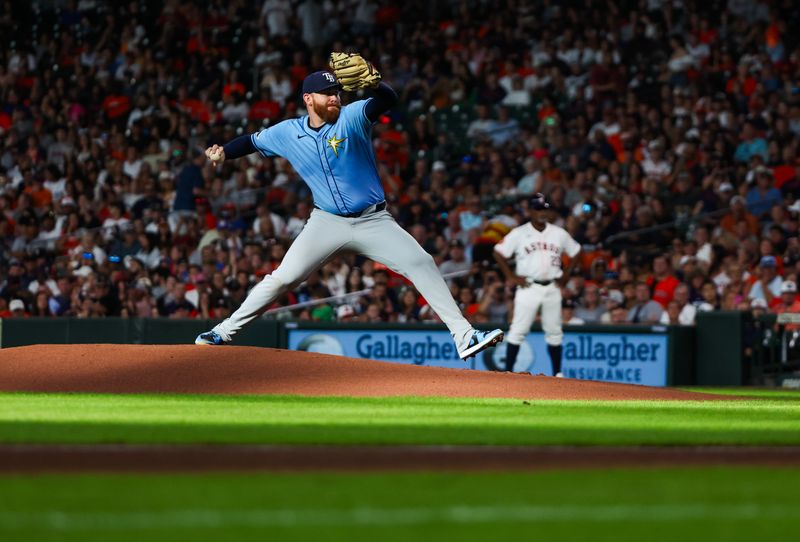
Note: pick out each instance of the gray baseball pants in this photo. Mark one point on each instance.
(378, 237)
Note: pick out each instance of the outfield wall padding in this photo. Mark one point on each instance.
(719, 352)
(28, 331)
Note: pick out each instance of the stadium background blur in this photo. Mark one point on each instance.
(665, 133)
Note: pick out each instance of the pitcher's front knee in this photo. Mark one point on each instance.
(288, 276)
(274, 283)
(425, 260)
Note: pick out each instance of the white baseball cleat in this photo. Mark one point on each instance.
(559, 375)
(481, 340)
(210, 338)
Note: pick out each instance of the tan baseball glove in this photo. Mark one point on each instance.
(353, 72)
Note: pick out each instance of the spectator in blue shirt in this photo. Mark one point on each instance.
(763, 196)
(751, 144)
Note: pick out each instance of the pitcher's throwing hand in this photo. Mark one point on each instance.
(216, 153)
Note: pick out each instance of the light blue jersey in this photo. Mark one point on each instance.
(336, 161)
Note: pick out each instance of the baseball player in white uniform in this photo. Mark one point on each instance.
(537, 247)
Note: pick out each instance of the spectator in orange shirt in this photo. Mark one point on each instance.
(299, 68)
(116, 106)
(663, 281)
(787, 302)
(233, 86)
(16, 309)
(266, 107)
(742, 81)
(739, 213)
(785, 170)
(40, 195)
(592, 247)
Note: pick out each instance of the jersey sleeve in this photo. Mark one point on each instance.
(356, 115)
(267, 141)
(508, 245)
(571, 246)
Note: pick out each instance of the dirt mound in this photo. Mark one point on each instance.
(107, 368)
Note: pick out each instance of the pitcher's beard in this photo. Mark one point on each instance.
(330, 116)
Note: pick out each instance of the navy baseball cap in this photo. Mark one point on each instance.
(768, 261)
(319, 81)
(539, 202)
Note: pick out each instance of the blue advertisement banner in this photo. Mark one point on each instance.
(433, 348)
(609, 357)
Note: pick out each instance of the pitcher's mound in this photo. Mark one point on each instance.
(109, 368)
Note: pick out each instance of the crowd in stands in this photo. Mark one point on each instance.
(664, 132)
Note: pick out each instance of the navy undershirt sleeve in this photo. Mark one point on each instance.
(241, 146)
(383, 99)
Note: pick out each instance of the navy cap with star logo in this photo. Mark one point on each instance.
(319, 81)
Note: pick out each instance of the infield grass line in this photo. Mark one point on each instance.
(215, 419)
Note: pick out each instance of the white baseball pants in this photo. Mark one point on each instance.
(526, 304)
(378, 237)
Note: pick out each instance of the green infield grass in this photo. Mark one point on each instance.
(87, 418)
(620, 504)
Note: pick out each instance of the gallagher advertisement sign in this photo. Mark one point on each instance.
(611, 357)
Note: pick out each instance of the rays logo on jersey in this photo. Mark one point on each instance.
(334, 143)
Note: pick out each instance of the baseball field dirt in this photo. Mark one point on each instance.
(149, 369)
(201, 458)
(105, 368)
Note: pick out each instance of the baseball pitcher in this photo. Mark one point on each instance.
(331, 149)
(537, 247)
